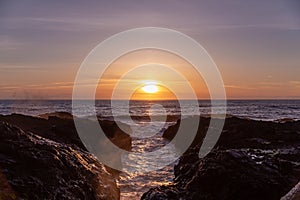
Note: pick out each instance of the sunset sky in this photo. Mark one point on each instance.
(255, 44)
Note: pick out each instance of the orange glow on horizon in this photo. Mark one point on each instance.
(162, 93)
(159, 75)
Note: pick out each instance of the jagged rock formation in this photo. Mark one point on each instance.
(60, 127)
(252, 160)
(33, 167)
(294, 194)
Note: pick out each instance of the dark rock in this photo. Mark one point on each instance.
(251, 160)
(33, 167)
(202, 129)
(244, 133)
(294, 194)
(63, 129)
(228, 174)
(61, 115)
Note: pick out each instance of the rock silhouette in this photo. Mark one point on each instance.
(44, 158)
(34, 167)
(252, 160)
(294, 194)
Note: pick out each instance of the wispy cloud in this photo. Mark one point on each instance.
(4, 67)
(9, 43)
(295, 83)
(239, 87)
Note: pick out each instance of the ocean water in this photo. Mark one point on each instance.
(266, 110)
(133, 185)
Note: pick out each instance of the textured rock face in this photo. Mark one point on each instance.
(32, 167)
(294, 194)
(229, 175)
(60, 127)
(252, 160)
(243, 133)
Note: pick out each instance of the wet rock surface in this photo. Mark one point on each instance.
(60, 127)
(293, 194)
(251, 160)
(33, 167)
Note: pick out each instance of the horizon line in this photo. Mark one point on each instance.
(204, 99)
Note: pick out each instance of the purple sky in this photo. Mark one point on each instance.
(256, 44)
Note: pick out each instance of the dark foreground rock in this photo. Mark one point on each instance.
(294, 194)
(60, 127)
(252, 160)
(33, 167)
(244, 133)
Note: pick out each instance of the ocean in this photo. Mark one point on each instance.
(266, 110)
(133, 185)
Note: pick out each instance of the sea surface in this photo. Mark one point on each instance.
(134, 184)
(266, 110)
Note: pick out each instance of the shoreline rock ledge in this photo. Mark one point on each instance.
(294, 194)
(45, 159)
(33, 167)
(60, 127)
(252, 160)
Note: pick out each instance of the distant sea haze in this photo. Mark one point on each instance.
(266, 110)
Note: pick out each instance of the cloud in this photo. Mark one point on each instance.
(9, 43)
(4, 67)
(239, 87)
(295, 83)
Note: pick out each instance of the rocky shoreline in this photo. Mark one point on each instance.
(43, 158)
(60, 127)
(252, 160)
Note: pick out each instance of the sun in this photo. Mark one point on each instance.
(150, 88)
